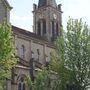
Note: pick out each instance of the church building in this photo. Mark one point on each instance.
(33, 48)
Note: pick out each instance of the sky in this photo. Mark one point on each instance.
(21, 14)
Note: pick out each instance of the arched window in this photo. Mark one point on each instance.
(39, 28)
(21, 84)
(44, 27)
(22, 51)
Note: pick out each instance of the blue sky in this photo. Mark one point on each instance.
(21, 14)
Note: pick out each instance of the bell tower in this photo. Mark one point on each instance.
(47, 19)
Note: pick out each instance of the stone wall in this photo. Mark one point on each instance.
(39, 48)
(2, 11)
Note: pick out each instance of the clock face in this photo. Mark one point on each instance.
(55, 16)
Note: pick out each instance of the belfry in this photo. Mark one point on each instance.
(47, 20)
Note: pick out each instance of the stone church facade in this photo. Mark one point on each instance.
(33, 49)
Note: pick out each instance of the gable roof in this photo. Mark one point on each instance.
(27, 33)
(31, 35)
(6, 4)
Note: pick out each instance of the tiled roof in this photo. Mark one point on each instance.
(27, 33)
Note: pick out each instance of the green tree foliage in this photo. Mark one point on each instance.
(71, 59)
(45, 80)
(42, 80)
(70, 63)
(7, 51)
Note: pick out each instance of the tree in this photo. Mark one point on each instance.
(42, 80)
(7, 51)
(45, 80)
(70, 63)
(71, 59)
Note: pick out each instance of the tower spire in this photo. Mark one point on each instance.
(42, 3)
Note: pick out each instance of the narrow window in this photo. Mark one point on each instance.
(53, 28)
(44, 27)
(39, 28)
(22, 51)
(57, 33)
(21, 85)
(38, 53)
(53, 31)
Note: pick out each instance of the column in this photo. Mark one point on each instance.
(41, 27)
